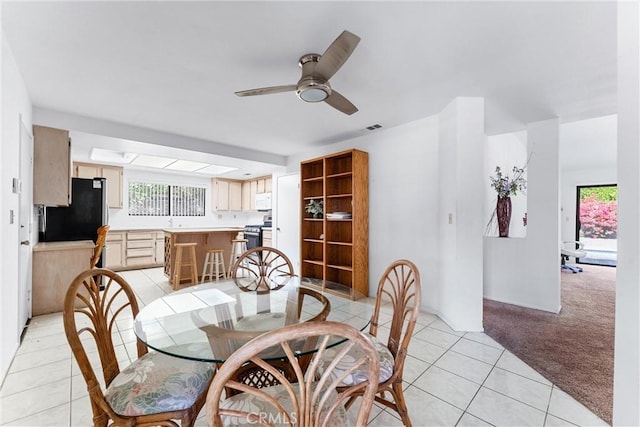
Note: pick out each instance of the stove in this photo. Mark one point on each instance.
(253, 234)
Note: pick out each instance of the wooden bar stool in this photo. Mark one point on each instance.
(238, 247)
(179, 265)
(214, 259)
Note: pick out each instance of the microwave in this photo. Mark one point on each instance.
(263, 201)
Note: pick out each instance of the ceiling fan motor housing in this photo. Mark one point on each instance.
(312, 88)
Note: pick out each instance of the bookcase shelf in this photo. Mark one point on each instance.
(336, 249)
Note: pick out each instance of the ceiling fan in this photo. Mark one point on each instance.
(317, 69)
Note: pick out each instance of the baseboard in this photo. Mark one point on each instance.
(519, 304)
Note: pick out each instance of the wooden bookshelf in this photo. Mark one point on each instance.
(336, 250)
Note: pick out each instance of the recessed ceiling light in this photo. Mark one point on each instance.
(111, 156)
(216, 169)
(186, 166)
(152, 161)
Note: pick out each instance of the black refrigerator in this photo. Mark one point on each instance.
(82, 218)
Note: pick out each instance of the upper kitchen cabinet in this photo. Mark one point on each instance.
(51, 166)
(227, 195)
(113, 174)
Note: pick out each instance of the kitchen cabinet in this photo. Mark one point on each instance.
(55, 265)
(114, 249)
(336, 247)
(113, 174)
(51, 166)
(226, 195)
(263, 185)
(130, 249)
(141, 248)
(250, 188)
(267, 237)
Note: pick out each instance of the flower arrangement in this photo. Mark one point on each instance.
(315, 207)
(506, 185)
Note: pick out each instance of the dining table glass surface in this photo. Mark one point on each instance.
(209, 321)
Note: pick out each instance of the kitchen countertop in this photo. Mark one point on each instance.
(201, 230)
(62, 246)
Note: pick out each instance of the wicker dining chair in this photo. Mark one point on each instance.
(400, 287)
(100, 241)
(262, 269)
(153, 390)
(312, 400)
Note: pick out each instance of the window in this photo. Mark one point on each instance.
(149, 199)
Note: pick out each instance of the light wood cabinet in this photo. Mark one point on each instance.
(159, 249)
(114, 249)
(235, 196)
(130, 249)
(51, 166)
(55, 265)
(226, 195)
(263, 185)
(336, 249)
(113, 174)
(267, 237)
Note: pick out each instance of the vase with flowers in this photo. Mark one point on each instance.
(506, 185)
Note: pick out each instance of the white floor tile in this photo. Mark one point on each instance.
(566, 407)
(425, 351)
(469, 420)
(552, 421)
(520, 388)
(413, 368)
(437, 337)
(33, 401)
(54, 417)
(442, 326)
(511, 363)
(25, 361)
(477, 351)
(447, 386)
(501, 410)
(36, 377)
(482, 338)
(464, 366)
(427, 410)
(385, 419)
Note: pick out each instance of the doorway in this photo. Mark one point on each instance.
(597, 223)
(25, 215)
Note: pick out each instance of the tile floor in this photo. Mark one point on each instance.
(452, 378)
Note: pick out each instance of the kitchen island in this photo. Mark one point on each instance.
(206, 238)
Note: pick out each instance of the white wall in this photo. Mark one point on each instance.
(526, 271)
(120, 219)
(403, 194)
(460, 208)
(626, 381)
(15, 103)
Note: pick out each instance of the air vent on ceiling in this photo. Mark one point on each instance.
(374, 127)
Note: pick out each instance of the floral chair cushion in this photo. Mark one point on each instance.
(158, 383)
(249, 403)
(359, 375)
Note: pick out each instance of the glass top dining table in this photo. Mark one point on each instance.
(209, 321)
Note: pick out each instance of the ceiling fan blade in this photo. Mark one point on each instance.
(340, 103)
(266, 90)
(336, 55)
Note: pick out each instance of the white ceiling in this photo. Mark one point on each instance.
(174, 66)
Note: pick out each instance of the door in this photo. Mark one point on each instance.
(288, 217)
(597, 223)
(26, 225)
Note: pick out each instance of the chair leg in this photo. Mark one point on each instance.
(401, 404)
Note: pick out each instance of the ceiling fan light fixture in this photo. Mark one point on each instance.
(312, 94)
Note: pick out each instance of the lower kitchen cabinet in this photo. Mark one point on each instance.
(114, 250)
(131, 249)
(267, 237)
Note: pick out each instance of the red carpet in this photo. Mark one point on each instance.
(573, 349)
